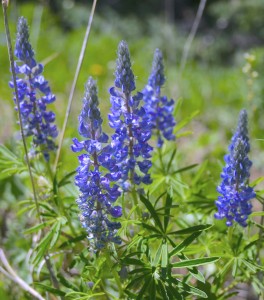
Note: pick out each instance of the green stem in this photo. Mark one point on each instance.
(115, 274)
(161, 161)
(135, 199)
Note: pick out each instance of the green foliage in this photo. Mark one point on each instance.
(172, 248)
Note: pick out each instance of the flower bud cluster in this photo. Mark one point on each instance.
(234, 204)
(34, 94)
(159, 109)
(97, 190)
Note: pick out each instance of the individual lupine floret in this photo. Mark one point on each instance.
(234, 204)
(34, 94)
(132, 130)
(97, 191)
(159, 109)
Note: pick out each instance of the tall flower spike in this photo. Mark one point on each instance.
(234, 204)
(34, 94)
(97, 192)
(132, 131)
(158, 108)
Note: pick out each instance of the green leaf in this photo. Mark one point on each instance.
(185, 243)
(257, 181)
(152, 290)
(10, 164)
(163, 291)
(38, 226)
(184, 169)
(197, 274)
(203, 168)
(144, 287)
(235, 266)
(171, 159)
(73, 240)
(47, 242)
(195, 262)
(185, 121)
(151, 228)
(191, 229)
(257, 214)
(226, 267)
(164, 256)
(64, 180)
(42, 248)
(66, 282)
(132, 261)
(152, 211)
(252, 265)
(49, 289)
(83, 296)
(189, 289)
(145, 270)
(157, 256)
(184, 134)
(135, 281)
(56, 233)
(167, 211)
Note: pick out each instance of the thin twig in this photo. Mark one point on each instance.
(191, 36)
(12, 65)
(11, 274)
(77, 72)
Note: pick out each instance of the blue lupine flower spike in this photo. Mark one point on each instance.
(234, 203)
(132, 130)
(34, 94)
(97, 193)
(159, 109)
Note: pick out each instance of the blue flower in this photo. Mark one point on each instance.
(33, 94)
(132, 130)
(159, 109)
(97, 190)
(234, 202)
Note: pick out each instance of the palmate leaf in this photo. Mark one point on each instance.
(48, 241)
(10, 164)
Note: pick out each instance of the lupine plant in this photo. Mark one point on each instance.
(34, 94)
(129, 220)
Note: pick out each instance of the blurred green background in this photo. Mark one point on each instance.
(217, 80)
